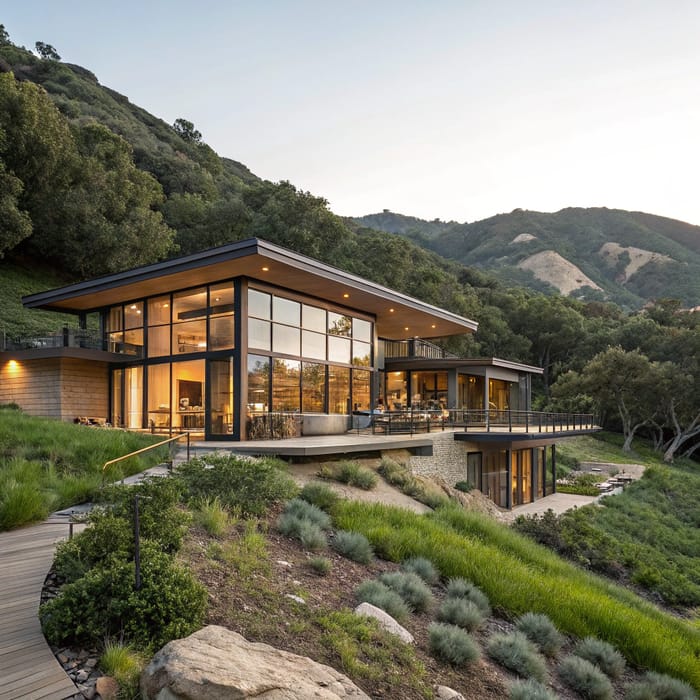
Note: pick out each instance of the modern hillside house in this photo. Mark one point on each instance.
(250, 342)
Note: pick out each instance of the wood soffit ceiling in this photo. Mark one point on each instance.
(267, 263)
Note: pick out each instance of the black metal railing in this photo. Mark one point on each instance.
(66, 338)
(480, 421)
(414, 347)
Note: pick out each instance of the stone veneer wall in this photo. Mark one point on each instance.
(448, 461)
(56, 387)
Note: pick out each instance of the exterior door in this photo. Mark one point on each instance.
(220, 398)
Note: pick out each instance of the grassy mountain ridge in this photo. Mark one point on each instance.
(502, 243)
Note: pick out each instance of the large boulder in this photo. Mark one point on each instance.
(386, 621)
(218, 664)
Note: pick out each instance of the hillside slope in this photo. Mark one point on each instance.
(622, 256)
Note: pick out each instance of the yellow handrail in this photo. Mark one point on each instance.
(146, 449)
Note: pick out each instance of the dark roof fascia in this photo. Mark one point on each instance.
(507, 440)
(202, 258)
(234, 251)
(75, 353)
(400, 363)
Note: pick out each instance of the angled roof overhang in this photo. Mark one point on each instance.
(397, 315)
(420, 364)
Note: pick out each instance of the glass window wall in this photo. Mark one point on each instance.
(361, 390)
(313, 387)
(286, 385)
(221, 396)
(338, 389)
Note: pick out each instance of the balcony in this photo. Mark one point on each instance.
(67, 338)
(414, 347)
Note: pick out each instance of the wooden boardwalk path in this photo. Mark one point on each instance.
(28, 668)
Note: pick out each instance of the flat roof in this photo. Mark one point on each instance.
(422, 363)
(397, 315)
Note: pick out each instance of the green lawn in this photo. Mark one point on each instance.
(46, 464)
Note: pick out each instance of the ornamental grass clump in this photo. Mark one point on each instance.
(516, 652)
(303, 510)
(461, 588)
(312, 537)
(353, 546)
(530, 690)
(659, 686)
(540, 630)
(319, 494)
(423, 567)
(603, 655)
(213, 516)
(461, 612)
(410, 587)
(452, 644)
(585, 678)
(354, 474)
(376, 593)
(320, 565)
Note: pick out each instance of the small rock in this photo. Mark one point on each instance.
(62, 659)
(295, 598)
(107, 688)
(91, 663)
(81, 676)
(88, 691)
(285, 564)
(386, 621)
(445, 693)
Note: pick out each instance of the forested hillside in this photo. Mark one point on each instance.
(90, 183)
(627, 257)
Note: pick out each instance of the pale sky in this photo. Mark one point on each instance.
(456, 110)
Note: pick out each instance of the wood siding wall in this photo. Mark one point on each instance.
(61, 388)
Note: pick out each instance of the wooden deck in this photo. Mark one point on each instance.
(28, 668)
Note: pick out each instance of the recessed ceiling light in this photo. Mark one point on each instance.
(219, 299)
(265, 269)
(346, 296)
(391, 311)
(433, 326)
(165, 306)
(133, 306)
(405, 328)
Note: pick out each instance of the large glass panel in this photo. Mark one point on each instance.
(133, 342)
(338, 389)
(188, 395)
(313, 387)
(158, 403)
(220, 332)
(133, 397)
(338, 349)
(339, 324)
(286, 311)
(159, 311)
(221, 396)
(429, 390)
(471, 392)
(494, 477)
(285, 384)
(540, 470)
(221, 299)
(115, 342)
(313, 345)
(133, 315)
(285, 339)
(499, 395)
(258, 304)
(158, 341)
(474, 469)
(361, 353)
(396, 391)
(189, 305)
(114, 319)
(360, 390)
(361, 330)
(258, 334)
(550, 457)
(313, 318)
(189, 337)
(258, 384)
(117, 416)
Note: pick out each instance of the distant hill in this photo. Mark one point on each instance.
(594, 254)
(406, 225)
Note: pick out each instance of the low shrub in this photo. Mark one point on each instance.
(103, 603)
(311, 536)
(585, 678)
(376, 593)
(461, 612)
(464, 486)
(410, 587)
(353, 546)
(516, 652)
(540, 630)
(658, 686)
(213, 516)
(461, 588)
(354, 474)
(21, 503)
(304, 510)
(452, 644)
(320, 565)
(395, 473)
(319, 494)
(603, 655)
(530, 690)
(422, 567)
(243, 484)
(120, 661)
